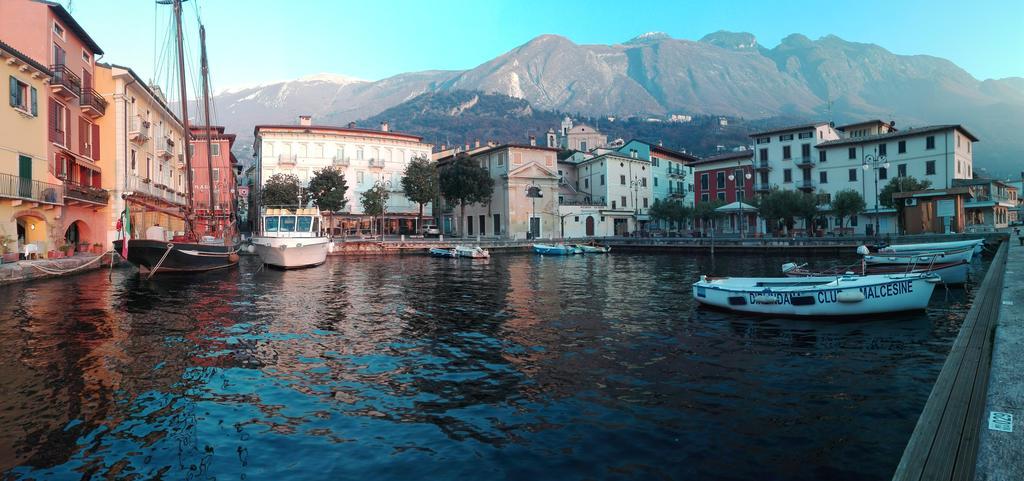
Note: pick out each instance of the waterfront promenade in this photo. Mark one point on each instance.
(30, 270)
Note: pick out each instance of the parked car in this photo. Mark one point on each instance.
(431, 231)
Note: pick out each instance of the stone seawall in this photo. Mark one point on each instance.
(23, 271)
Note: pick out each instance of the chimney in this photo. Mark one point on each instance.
(351, 125)
(305, 120)
(384, 126)
(533, 140)
(476, 144)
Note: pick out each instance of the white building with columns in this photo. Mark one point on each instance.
(365, 157)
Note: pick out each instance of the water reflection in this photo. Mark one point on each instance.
(515, 367)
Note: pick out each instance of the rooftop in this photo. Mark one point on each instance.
(898, 134)
(791, 128)
(343, 130)
(68, 20)
(25, 58)
(745, 154)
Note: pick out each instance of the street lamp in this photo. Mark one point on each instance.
(386, 184)
(873, 162)
(732, 177)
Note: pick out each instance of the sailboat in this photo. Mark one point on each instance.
(190, 252)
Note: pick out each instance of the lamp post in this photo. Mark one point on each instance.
(385, 184)
(747, 176)
(873, 162)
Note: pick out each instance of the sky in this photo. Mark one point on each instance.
(254, 42)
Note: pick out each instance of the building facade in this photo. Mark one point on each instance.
(220, 218)
(581, 138)
(366, 158)
(31, 204)
(672, 177)
(992, 203)
(141, 156)
(45, 31)
(612, 194)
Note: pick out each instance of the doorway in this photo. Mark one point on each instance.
(590, 226)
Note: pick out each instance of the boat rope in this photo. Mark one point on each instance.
(170, 245)
(56, 271)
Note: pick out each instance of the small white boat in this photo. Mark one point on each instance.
(924, 258)
(976, 244)
(472, 252)
(556, 249)
(290, 238)
(818, 296)
(949, 272)
(439, 252)
(595, 249)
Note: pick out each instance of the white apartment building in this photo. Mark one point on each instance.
(605, 195)
(822, 159)
(366, 157)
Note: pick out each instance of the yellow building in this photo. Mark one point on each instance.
(141, 154)
(30, 209)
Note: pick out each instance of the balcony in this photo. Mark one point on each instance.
(285, 159)
(138, 131)
(806, 185)
(375, 163)
(762, 165)
(341, 161)
(83, 194)
(676, 172)
(676, 193)
(762, 187)
(92, 103)
(65, 83)
(19, 189)
(804, 162)
(165, 147)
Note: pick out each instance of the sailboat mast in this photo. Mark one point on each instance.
(189, 228)
(205, 68)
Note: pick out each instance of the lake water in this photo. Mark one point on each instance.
(516, 367)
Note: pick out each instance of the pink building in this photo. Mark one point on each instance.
(224, 164)
(46, 31)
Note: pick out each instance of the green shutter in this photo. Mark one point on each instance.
(35, 102)
(14, 92)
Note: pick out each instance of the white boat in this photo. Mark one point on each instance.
(923, 258)
(472, 252)
(594, 249)
(818, 296)
(977, 244)
(949, 272)
(556, 249)
(290, 238)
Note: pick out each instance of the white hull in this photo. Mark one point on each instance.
(818, 296)
(935, 246)
(922, 259)
(291, 253)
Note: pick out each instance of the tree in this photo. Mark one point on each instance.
(806, 208)
(374, 201)
(465, 182)
(847, 203)
(420, 183)
(327, 189)
(660, 211)
(900, 184)
(778, 207)
(708, 211)
(283, 190)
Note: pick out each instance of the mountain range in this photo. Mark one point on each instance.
(723, 73)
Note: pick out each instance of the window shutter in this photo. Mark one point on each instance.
(14, 91)
(35, 102)
(96, 142)
(83, 137)
(53, 121)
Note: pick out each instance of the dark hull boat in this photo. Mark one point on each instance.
(160, 256)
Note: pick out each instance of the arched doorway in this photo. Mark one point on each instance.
(76, 234)
(590, 226)
(31, 230)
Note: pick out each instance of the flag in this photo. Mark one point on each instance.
(127, 230)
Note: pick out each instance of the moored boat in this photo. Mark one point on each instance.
(976, 244)
(594, 249)
(949, 272)
(556, 249)
(472, 252)
(177, 255)
(440, 252)
(818, 296)
(918, 257)
(290, 238)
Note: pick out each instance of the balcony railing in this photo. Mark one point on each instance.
(154, 190)
(805, 162)
(375, 163)
(14, 187)
(677, 172)
(92, 103)
(165, 147)
(342, 161)
(762, 187)
(674, 192)
(805, 185)
(285, 159)
(65, 83)
(138, 131)
(85, 193)
(762, 165)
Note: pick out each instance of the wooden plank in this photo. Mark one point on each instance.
(946, 432)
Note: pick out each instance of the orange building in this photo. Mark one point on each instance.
(224, 165)
(45, 31)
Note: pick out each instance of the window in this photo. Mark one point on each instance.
(469, 225)
(704, 197)
(883, 173)
(586, 183)
(805, 151)
(622, 179)
(645, 202)
(304, 225)
(58, 30)
(643, 182)
(901, 170)
(192, 150)
(853, 175)
(721, 196)
(655, 181)
(483, 224)
(738, 174)
(576, 219)
(764, 140)
(821, 156)
(883, 149)
(216, 175)
(135, 169)
(763, 155)
(86, 57)
(853, 221)
(787, 175)
(270, 224)
(852, 153)
(602, 179)
(497, 224)
(786, 152)
(583, 146)
(929, 167)
(501, 160)
(613, 204)
(359, 153)
(805, 135)
(901, 148)
(783, 138)
(720, 180)
(215, 148)
(623, 201)
(59, 56)
(823, 177)
(929, 142)
(288, 223)
(359, 177)
(24, 97)
(704, 181)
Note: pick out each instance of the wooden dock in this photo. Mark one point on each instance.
(944, 444)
